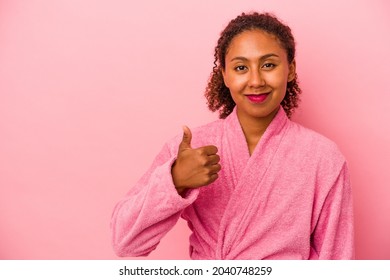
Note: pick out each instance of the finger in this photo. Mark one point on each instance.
(213, 159)
(187, 137)
(213, 177)
(210, 150)
(214, 169)
(209, 179)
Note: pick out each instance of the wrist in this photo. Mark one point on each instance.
(178, 188)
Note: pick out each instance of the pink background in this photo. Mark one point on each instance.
(90, 90)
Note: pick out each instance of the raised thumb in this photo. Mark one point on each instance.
(187, 136)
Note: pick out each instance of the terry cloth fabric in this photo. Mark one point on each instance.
(291, 199)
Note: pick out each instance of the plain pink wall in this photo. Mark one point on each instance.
(90, 90)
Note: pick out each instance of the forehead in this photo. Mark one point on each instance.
(255, 43)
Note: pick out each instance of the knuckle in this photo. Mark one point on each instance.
(201, 152)
(210, 171)
(202, 161)
(206, 179)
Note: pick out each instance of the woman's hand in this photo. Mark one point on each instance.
(194, 168)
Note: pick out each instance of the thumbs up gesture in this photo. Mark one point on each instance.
(194, 168)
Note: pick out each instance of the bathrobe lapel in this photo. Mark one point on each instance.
(248, 173)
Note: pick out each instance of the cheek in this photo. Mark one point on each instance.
(278, 79)
(235, 82)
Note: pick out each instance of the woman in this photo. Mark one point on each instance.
(252, 185)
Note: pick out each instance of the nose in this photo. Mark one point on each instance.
(256, 79)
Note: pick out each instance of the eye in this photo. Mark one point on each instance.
(240, 68)
(268, 66)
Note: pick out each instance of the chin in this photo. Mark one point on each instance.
(264, 112)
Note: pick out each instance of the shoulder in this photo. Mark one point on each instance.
(315, 145)
(210, 132)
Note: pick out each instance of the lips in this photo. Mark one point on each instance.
(257, 98)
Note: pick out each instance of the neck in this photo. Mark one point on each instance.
(254, 128)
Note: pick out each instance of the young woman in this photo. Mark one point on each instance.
(253, 184)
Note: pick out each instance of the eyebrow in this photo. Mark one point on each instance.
(261, 58)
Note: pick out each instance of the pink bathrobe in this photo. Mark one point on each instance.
(290, 200)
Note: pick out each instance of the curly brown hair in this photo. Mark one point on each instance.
(217, 94)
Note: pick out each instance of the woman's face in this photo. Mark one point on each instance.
(256, 73)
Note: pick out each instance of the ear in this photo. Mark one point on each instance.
(292, 71)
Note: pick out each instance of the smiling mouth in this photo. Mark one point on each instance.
(257, 98)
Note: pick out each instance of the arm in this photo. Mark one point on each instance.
(149, 210)
(333, 237)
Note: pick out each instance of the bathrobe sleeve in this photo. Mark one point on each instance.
(333, 237)
(150, 209)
